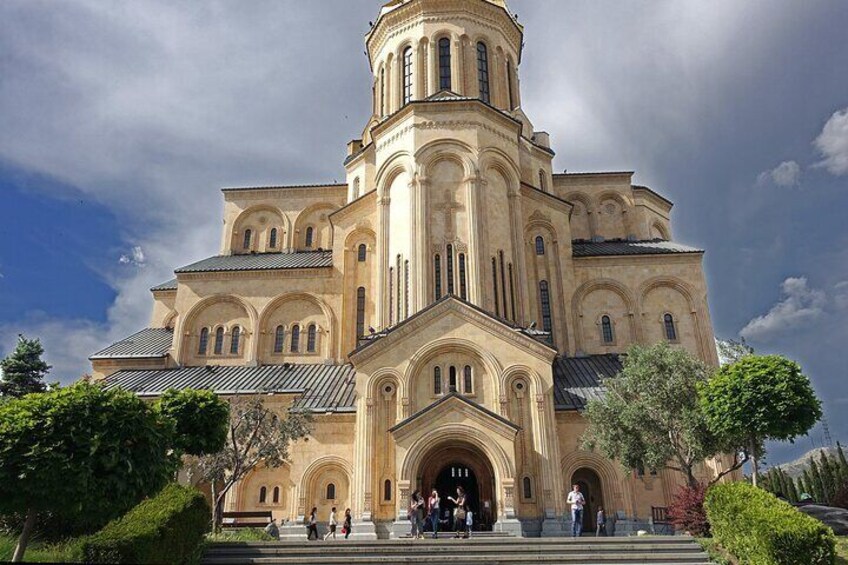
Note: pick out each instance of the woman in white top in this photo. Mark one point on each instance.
(332, 523)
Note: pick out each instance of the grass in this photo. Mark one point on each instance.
(40, 552)
(239, 534)
(842, 550)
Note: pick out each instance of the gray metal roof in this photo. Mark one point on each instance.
(622, 247)
(169, 285)
(261, 262)
(324, 388)
(577, 380)
(282, 187)
(148, 343)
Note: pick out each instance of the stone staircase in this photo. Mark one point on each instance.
(660, 550)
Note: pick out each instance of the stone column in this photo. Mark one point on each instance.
(474, 185)
(457, 71)
(433, 68)
(547, 450)
(361, 494)
(519, 256)
(561, 308)
(420, 233)
(381, 307)
(420, 71)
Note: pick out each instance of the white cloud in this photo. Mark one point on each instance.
(833, 143)
(840, 296)
(800, 305)
(786, 174)
(135, 258)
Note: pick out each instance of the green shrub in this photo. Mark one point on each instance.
(759, 529)
(168, 528)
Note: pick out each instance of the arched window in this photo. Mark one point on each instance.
(234, 341)
(606, 329)
(483, 71)
(495, 286)
(295, 338)
(387, 490)
(360, 312)
(331, 491)
(542, 186)
(204, 341)
(437, 274)
(545, 302)
(272, 239)
(467, 381)
(310, 338)
(309, 234)
(437, 380)
(463, 287)
(276, 495)
(263, 495)
(382, 92)
(509, 85)
(219, 341)
(452, 379)
(444, 64)
(407, 75)
(450, 268)
(279, 337)
(362, 253)
(246, 242)
(528, 488)
(540, 245)
(670, 330)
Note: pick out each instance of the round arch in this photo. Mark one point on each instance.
(312, 475)
(668, 282)
(204, 303)
(615, 489)
(420, 358)
(448, 150)
(494, 158)
(305, 296)
(601, 284)
(522, 371)
(395, 165)
(302, 217)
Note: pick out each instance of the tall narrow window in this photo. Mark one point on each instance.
(204, 341)
(295, 338)
(444, 64)
(495, 286)
(387, 490)
(331, 491)
(540, 245)
(391, 296)
(467, 381)
(512, 293)
(246, 242)
(219, 341)
(606, 329)
(356, 188)
(528, 488)
(670, 330)
(234, 340)
(407, 75)
(483, 71)
(382, 92)
(361, 253)
(463, 286)
(399, 290)
(509, 85)
(309, 234)
(406, 288)
(437, 273)
(437, 380)
(360, 312)
(263, 495)
(311, 332)
(272, 239)
(276, 495)
(503, 283)
(545, 300)
(452, 379)
(450, 269)
(279, 336)
(542, 186)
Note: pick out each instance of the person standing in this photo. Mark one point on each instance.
(459, 511)
(312, 525)
(416, 515)
(348, 522)
(332, 525)
(435, 511)
(577, 502)
(601, 520)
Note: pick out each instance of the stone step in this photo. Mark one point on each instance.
(582, 559)
(340, 549)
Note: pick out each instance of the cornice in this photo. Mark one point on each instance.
(259, 193)
(640, 260)
(311, 273)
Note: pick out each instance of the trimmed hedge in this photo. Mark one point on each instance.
(759, 529)
(168, 528)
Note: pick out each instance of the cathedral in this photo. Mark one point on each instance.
(446, 313)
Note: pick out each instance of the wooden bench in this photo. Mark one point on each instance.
(237, 518)
(659, 520)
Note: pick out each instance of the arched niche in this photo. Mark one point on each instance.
(221, 311)
(312, 227)
(260, 220)
(671, 296)
(286, 311)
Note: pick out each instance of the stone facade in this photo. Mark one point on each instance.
(458, 269)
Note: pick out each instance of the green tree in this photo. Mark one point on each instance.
(842, 465)
(759, 398)
(200, 420)
(650, 417)
(81, 452)
(829, 479)
(816, 482)
(257, 435)
(806, 483)
(23, 371)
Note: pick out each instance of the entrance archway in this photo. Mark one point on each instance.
(454, 464)
(590, 486)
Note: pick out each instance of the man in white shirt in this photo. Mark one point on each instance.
(577, 501)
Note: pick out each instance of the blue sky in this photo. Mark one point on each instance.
(120, 121)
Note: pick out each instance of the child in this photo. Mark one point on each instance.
(469, 521)
(602, 523)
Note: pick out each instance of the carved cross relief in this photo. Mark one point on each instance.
(449, 207)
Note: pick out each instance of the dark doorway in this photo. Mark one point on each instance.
(458, 475)
(590, 486)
